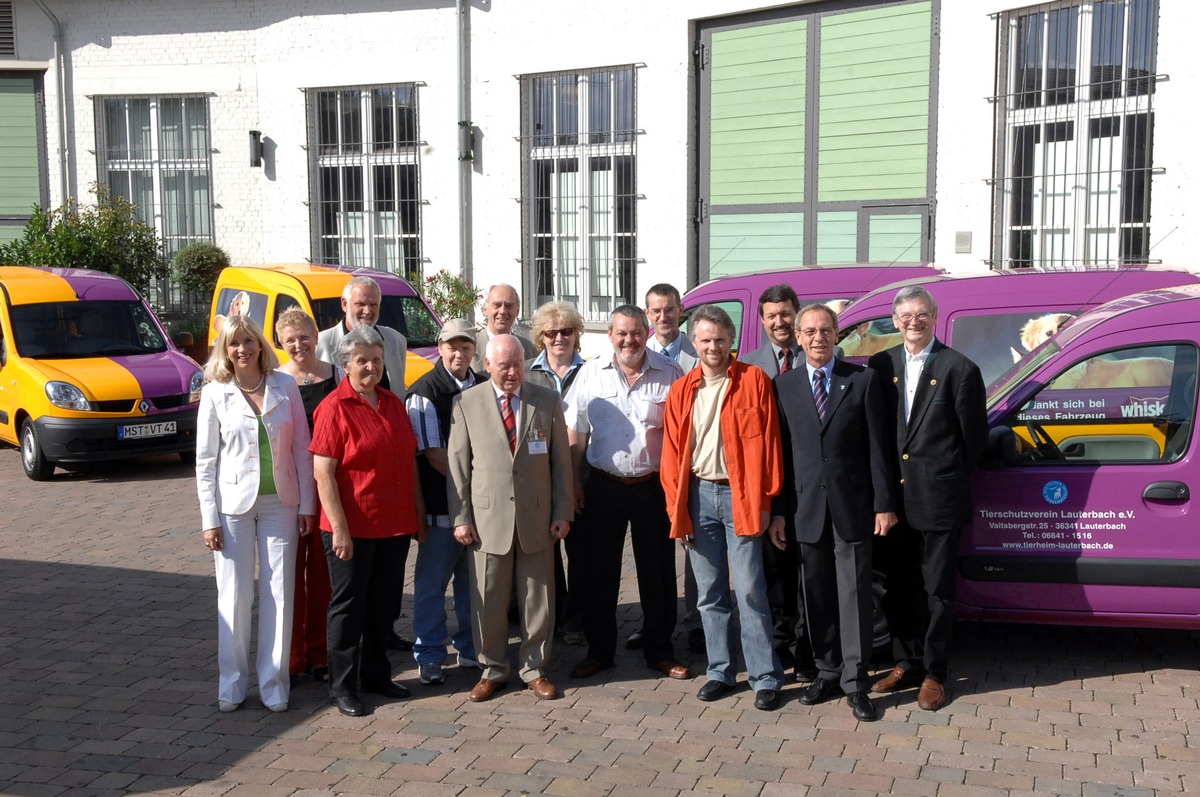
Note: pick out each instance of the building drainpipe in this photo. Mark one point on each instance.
(466, 137)
(60, 82)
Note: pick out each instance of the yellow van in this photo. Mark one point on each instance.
(87, 372)
(264, 292)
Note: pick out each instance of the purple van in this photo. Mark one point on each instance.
(997, 317)
(738, 294)
(1083, 507)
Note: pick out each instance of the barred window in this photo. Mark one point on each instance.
(364, 157)
(1075, 127)
(578, 194)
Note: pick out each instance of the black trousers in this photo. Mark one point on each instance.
(786, 598)
(919, 602)
(599, 540)
(366, 590)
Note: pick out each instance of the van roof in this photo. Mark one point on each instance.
(323, 282)
(1100, 283)
(35, 285)
(853, 274)
(1149, 308)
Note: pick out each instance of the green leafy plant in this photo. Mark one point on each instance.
(450, 295)
(198, 265)
(107, 236)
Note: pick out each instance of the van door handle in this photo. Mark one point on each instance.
(1166, 491)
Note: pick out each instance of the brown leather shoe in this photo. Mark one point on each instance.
(672, 669)
(543, 688)
(932, 696)
(896, 679)
(588, 667)
(484, 690)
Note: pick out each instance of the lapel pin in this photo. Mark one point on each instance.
(933, 381)
(895, 379)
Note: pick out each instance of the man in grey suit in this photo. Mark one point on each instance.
(778, 307)
(505, 434)
(839, 487)
(501, 306)
(360, 302)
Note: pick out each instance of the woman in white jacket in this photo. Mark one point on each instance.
(255, 482)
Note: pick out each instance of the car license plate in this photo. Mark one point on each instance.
(141, 430)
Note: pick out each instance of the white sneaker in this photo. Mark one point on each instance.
(431, 673)
(469, 663)
(226, 706)
(278, 708)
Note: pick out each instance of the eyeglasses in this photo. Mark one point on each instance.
(551, 334)
(814, 332)
(908, 318)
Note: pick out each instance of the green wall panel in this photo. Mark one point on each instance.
(873, 136)
(20, 180)
(756, 116)
(837, 237)
(895, 238)
(741, 243)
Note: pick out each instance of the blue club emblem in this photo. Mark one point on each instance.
(1054, 492)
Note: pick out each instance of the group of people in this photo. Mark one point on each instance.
(786, 472)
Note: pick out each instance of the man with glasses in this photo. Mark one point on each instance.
(839, 488)
(615, 416)
(664, 308)
(501, 306)
(936, 401)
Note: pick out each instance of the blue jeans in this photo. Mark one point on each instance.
(439, 558)
(717, 551)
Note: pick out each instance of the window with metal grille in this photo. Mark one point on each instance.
(364, 160)
(578, 188)
(1075, 127)
(156, 152)
(8, 30)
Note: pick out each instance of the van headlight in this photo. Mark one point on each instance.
(194, 388)
(66, 396)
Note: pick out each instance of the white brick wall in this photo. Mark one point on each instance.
(256, 57)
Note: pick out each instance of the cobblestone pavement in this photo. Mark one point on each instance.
(108, 674)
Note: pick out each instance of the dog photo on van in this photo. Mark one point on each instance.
(1038, 330)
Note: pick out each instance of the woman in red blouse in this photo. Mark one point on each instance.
(364, 459)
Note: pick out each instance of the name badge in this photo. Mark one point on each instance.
(538, 447)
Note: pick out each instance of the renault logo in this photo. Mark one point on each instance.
(144, 406)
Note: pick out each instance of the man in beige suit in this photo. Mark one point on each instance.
(505, 434)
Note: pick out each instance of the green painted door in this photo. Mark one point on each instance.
(22, 171)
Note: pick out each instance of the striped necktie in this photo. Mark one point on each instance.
(510, 420)
(820, 397)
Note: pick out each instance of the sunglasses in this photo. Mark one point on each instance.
(551, 334)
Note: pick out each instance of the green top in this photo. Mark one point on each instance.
(266, 479)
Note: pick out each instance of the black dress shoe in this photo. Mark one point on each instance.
(635, 641)
(349, 705)
(397, 642)
(714, 690)
(389, 689)
(819, 691)
(864, 709)
(806, 674)
(767, 700)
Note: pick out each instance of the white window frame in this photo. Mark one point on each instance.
(587, 256)
(374, 236)
(1075, 184)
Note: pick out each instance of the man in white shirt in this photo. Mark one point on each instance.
(501, 306)
(615, 417)
(360, 302)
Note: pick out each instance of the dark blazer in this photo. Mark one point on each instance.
(943, 437)
(844, 467)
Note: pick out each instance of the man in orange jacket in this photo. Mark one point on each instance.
(722, 461)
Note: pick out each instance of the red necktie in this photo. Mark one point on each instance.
(510, 420)
(786, 365)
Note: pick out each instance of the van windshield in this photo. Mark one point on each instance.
(66, 330)
(1015, 376)
(408, 315)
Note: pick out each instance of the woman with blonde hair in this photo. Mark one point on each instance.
(255, 482)
(297, 333)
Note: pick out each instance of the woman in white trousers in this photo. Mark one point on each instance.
(257, 494)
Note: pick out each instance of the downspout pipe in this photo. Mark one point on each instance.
(466, 135)
(60, 83)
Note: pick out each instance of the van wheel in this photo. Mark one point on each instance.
(33, 459)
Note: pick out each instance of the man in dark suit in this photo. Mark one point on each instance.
(778, 307)
(501, 307)
(935, 398)
(505, 434)
(839, 486)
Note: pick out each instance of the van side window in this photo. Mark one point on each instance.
(736, 312)
(282, 302)
(869, 337)
(997, 340)
(1128, 405)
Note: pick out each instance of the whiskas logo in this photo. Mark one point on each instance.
(1152, 407)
